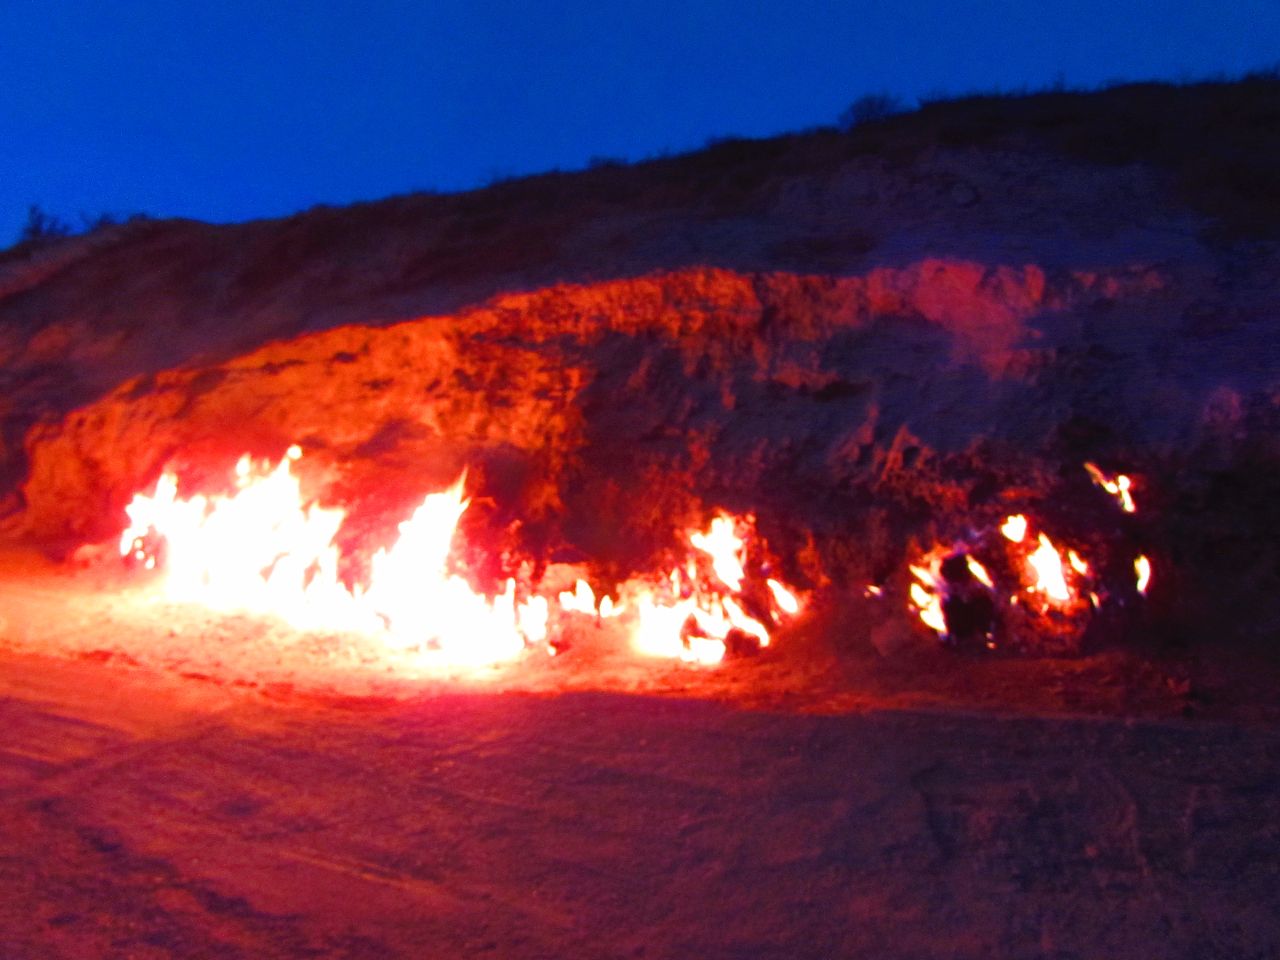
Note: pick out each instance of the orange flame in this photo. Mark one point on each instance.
(691, 616)
(927, 590)
(1044, 572)
(722, 543)
(1118, 486)
(979, 571)
(787, 601)
(264, 549)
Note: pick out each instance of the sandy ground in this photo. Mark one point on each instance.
(150, 814)
(147, 816)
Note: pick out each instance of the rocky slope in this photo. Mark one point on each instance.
(867, 338)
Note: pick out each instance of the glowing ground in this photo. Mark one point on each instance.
(146, 816)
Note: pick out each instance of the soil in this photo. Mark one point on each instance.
(177, 784)
(147, 815)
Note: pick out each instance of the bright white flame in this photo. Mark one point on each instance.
(722, 543)
(1047, 564)
(264, 549)
(581, 599)
(786, 600)
(1142, 567)
(690, 616)
(1015, 528)
(929, 605)
(1077, 563)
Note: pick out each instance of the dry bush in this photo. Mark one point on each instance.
(869, 108)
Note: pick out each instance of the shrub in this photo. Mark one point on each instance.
(42, 227)
(871, 107)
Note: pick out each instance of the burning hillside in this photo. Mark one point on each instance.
(1011, 399)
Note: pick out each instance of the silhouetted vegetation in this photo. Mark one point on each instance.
(870, 108)
(41, 227)
(1217, 140)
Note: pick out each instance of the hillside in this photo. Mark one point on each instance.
(872, 339)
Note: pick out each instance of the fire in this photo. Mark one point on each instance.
(723, 545)
(954, 593)
(1046, 563)
(1118, 486)
(1014, 528)
(1142, 567)
(581, 599)
(928, 601)
(929, 589)
(265, 549)
(692, 613)
(979, 571)
(787, 601)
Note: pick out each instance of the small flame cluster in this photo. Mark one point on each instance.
(955, 595)
(264, 549)
(699, 610)
(696, 612)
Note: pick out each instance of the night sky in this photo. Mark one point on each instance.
(240, 108)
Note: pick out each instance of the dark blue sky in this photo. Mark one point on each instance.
(236, 109)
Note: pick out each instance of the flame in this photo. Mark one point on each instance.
(722, 543)
(1142, 567)
(927, 590)
(1046, 562)
(1045, 577)
(929, 605)
(787, 601)
(1118, 487)
(690, 615)
(581, 599)
(979, 571)
(264, 549)
(1014, 528)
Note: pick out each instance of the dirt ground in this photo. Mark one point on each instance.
(576, 811)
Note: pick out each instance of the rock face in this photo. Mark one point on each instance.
(862, 348)
(596, 419)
